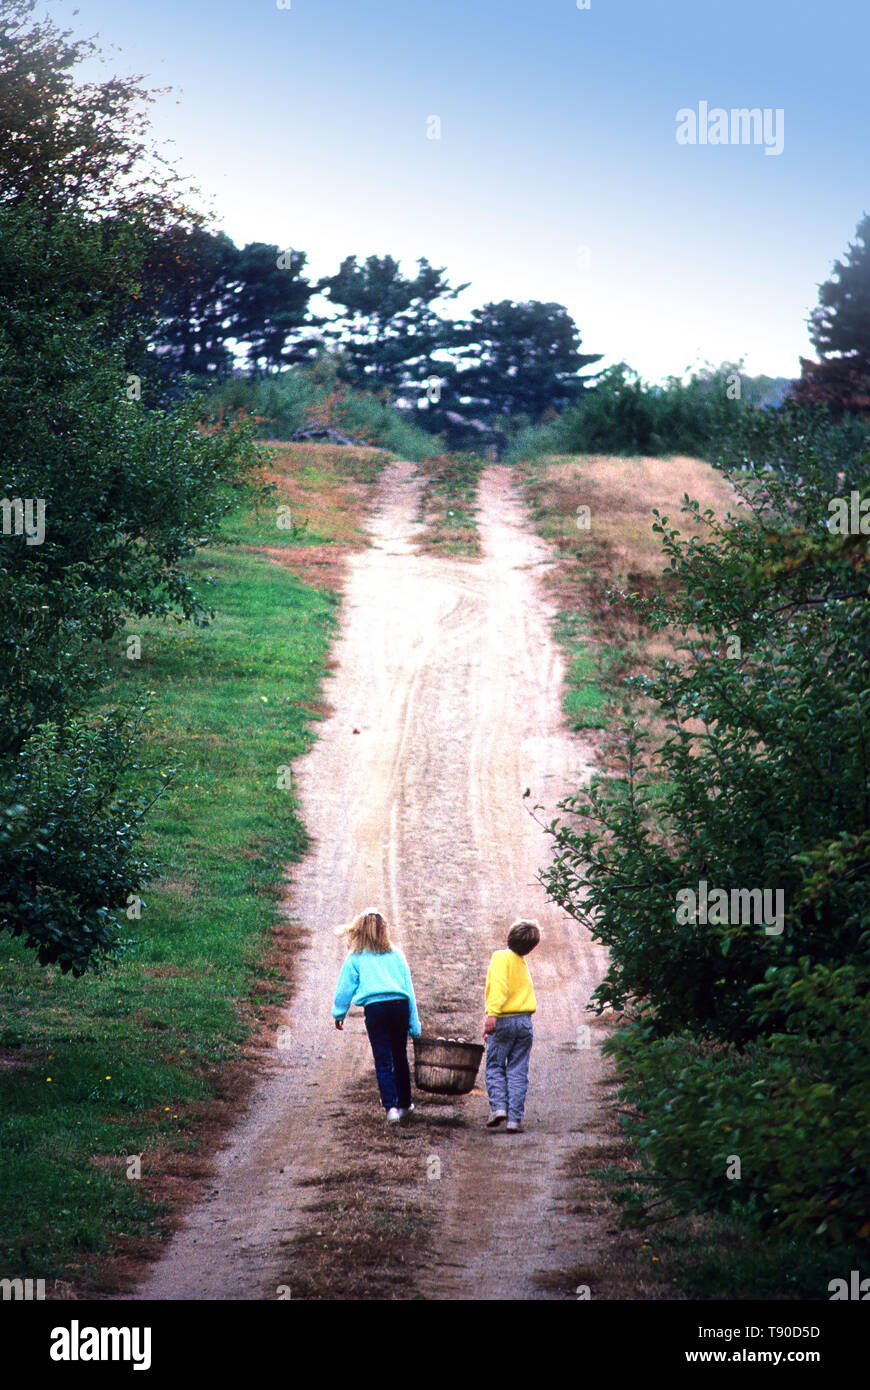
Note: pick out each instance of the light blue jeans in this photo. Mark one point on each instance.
(507, 1064)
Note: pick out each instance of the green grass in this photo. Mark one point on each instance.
(718, 1257)
(124, 1063)
(733, 1260)
(586, 696)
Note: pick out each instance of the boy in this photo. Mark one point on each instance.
(507, 1031)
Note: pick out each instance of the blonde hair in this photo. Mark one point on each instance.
(367, 932)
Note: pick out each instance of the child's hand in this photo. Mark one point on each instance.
(488, 1026)
(339, 1023)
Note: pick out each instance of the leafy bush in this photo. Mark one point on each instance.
(785, 441)
(792, 1108)
(128, 493)
(746, 1041)
(621, 414)
(312, 398)
(69, 832)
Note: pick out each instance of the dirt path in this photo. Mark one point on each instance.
(448, 672)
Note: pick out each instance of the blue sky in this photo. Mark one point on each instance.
(557, 174)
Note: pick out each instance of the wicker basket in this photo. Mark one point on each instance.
(446, 1065)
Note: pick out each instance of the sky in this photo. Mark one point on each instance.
(530, 147)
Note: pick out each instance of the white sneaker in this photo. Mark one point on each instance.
(393, 1115)
(514, 1126)
(406, 1111)
(496, 1118)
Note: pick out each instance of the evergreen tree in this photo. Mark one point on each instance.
(272, 314)
(390, 335)
(195, 292)
(525, 360)
(840, 333)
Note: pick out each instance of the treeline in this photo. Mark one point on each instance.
(240, 322)
(509, 374)
(215, 309)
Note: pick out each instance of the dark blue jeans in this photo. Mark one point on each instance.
(387, 1026)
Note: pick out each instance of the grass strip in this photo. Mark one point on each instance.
(448, 504)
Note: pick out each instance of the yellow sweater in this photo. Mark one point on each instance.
(508, 985)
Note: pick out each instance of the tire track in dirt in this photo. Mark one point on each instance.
(448, 670)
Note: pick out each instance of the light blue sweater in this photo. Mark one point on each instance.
(367, 978)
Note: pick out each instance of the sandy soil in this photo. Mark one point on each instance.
(447, 705)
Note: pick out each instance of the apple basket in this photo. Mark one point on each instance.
(447, 1066)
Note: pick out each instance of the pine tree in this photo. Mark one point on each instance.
(524, 360)
(840, 333)
(389, 334)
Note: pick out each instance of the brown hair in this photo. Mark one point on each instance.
(368, 932)
(523, 937)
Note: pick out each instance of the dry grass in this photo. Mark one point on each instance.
(367, 1226)
(329, 489)
(619, 549)
(621, 1262)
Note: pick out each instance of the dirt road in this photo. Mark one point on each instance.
(448, 671)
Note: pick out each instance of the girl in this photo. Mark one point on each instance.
(376, 975)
